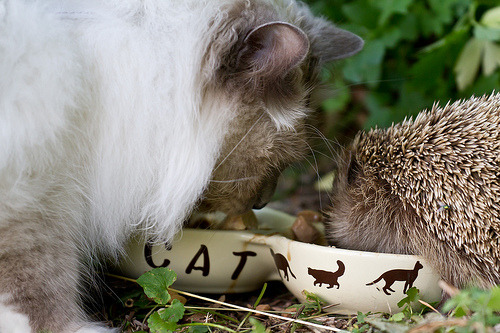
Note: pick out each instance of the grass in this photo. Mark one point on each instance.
(271, 310)
(149, 304)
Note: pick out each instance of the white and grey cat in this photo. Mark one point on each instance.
(118, 115)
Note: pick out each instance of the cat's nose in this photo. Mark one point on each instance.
(266, 192)
(259, 205)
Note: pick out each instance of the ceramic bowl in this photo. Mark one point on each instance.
(212, 261)
(216, 261)
(350, 280)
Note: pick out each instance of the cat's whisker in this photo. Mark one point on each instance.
(330, 144)
(321, 136)
(234, 180)
(239, 142)
(336, 149)
(324, 155)
(361, 83)
(316, 170)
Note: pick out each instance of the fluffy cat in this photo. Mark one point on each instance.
(118, 115)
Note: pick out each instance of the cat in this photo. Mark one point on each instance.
(326, 277)
(408, 276)
(282, 265)
(125, 115)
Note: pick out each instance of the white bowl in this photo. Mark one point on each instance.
(212, 261)
(216, 261)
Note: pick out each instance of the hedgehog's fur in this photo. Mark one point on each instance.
(428, 186)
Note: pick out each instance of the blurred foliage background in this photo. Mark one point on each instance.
(416, 52)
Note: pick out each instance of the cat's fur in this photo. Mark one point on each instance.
(118, 115)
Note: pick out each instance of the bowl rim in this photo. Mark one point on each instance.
(270, 239)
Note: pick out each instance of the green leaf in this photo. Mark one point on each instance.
(486, 33)
(380, 114)
(408, 26)
(366, 66)
(491, 58)
(361, 317)
(391, 7)
(403, 302)
(494, 302)
(257, 326)
(172, 313)
(361, 13)
(364, 328)
(257, 301)
(158, 325)
(156, 282)
(413, 294)
(198, 329)
(483, 85)
(442, 9)
(460, 312)
(340, 99)
(386, 326)
(397, 316)
(391, 37)
(312, 298)
(491, 18)
(165, 320)
(430, 74)
(468, 63)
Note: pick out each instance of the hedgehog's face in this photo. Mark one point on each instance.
(345, 220)
(365, 215)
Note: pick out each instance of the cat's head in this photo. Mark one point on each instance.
(265, 58)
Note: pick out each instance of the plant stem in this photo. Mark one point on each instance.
(258, 312)
(298, 321)
(149, 313)
(208, 324)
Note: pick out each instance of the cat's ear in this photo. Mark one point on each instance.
(332, 43)
(271, 50)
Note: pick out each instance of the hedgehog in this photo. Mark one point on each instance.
(428, 186)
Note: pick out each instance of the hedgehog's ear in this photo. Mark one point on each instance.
(333, 43)
(271, 50)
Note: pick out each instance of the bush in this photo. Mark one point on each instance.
(416, 52)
